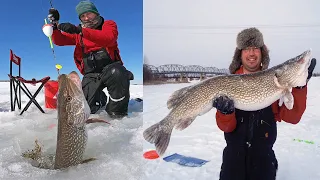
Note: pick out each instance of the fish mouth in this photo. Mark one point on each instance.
(304, 61)
(305, 57)
(75, 78)
(308, 56)
(62, 81)
(69, 83)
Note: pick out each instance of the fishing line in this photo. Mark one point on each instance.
(48, 32)
(155, 109)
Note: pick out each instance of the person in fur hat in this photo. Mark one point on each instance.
(250, 135)
(247, 40)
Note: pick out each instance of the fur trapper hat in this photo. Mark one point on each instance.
(250, 37)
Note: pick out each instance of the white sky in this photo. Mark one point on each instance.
(172, 34)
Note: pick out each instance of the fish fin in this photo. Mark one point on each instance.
(177, 96)
(280, 71)
(280, 101)
(288, 100)
(88, 160)
(184, 123)
(159, 134)
(96, 120)
(275, 79)
(34, 153)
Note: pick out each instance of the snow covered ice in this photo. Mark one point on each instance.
(204, 140)
(117, 147)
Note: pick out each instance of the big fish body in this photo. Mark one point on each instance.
(73, 112)
(248, 93)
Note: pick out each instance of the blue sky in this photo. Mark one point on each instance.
(21, 31)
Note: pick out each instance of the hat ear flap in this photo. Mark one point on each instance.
(236, 61)
(265, 57)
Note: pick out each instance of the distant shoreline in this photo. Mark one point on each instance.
(163, 82)
(9, 81)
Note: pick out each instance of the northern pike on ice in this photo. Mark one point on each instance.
(73, 116)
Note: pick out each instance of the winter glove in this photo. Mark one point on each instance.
(53, 15)
(224, 104)
(130, 75)
(311, 68)
(69, 28)
(310, 71)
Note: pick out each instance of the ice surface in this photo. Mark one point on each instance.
(204, 140)
(117, 147)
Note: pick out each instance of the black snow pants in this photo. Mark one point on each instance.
(249, 154)
(100, 73)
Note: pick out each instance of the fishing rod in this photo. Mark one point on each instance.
(51, 3)
(48, 30)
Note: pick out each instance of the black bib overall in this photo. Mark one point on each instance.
(100, 72)
(249, 154)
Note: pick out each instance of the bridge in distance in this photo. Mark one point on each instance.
(180, 72)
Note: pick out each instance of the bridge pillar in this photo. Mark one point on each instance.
(182, 78)
(186, 79)
(204, 76)
(201, 76)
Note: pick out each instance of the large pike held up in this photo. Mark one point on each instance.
(249, 92)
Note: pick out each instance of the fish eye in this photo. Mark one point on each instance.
(68, 98)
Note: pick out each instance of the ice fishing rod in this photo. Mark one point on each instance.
(48, 30)
(51, 3)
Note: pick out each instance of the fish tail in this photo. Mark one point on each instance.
(159, 134)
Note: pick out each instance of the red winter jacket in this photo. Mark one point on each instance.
(227, 123)
(92, 39)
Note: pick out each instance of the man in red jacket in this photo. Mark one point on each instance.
(250, 135)
(97, 57)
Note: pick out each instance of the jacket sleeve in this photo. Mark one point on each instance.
(62, 39)
(226, 122)
(78, 62)
(294, 115)
(105, 37)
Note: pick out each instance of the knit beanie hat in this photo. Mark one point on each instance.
(86, 6)
(250, 37)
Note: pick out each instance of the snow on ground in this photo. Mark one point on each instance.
(118, 148)
(202, 139)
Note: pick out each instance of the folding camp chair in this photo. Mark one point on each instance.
(17, 83)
